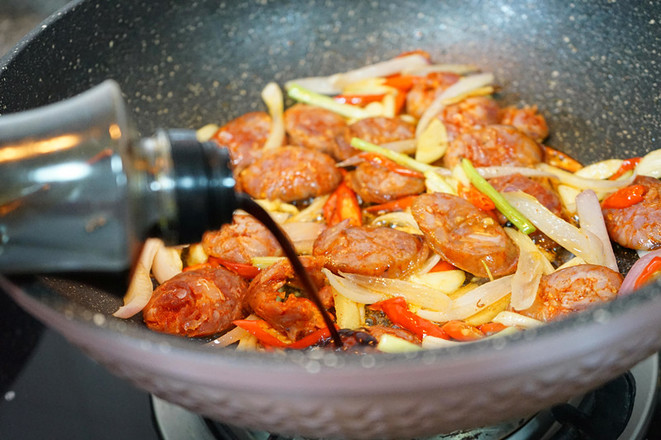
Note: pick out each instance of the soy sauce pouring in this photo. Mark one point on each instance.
(79, 191)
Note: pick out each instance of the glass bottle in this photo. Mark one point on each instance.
(80, 192)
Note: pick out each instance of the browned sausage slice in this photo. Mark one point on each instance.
(518, 182)
(377, 130)
(468, 114)
(426, 89)
(314, 127)
(638, 226)
(244, 137)
(244, 239)
(364, 250)
(289, 174)
(494, 145)
(199, 302)
(376, 184)
(464, 235)
(573, 289)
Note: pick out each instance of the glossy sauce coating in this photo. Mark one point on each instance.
(199, 302)
(377, 130)
(374, 251)
(240, 241)
(244, 137)
(314, 127)
(465, 236)
(290, 314)
(290, 174)
(376, 184)
(573, 289)
(638, 226)
(494, 145)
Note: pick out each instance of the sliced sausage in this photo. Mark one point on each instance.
(426, 89)
(573, 289)
(244, 137)
(290, 174)
(638, 226)
(244, 239)
(527, 120)
(380, 251)
(296, 316)
(464, 235)
(468, 114)
(199, 302)
(377, 130)
(519, 182)
(377, 184)
(494, 145)
(314, 127)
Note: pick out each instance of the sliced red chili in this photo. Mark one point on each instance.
(394, 205)
(627, 165)
(625, 197)
(391, 165)
(265, 334)
(462, 331)
(401, 82)
(359, 100)
(243, 269)
(311, 339)
(559, 159)
(649, 273)
(476, 197)
(397, 311)
(442, 266)
(341, 205)
(491, 328)
(424, 53)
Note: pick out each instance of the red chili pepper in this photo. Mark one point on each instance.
(271, 338)
(391, 165)
(397, 311)
(264, 333)
(400, 101)
(627, 165)
(649, 273)
(461, 331)
(243, 269)
(401, 82)
(491, 328)
(442, 266)
(625, 197)
(558, 159)
(392, 206)
(476, 197)
(359, 100)
(341, 205)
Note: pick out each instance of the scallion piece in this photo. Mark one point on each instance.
(400, 158)
(512, 214)
(301, 94)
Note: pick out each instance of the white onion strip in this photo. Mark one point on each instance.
(532, 265)
(566, 235)
(461, 87)
(140, 288)
(460, 69)
(416, 294)
(498, 171)
(303, 235)
(167, 264)
(352, 290)
(272, 96)
(584, 183)
(471, 302)
(591, 219)
(512, 319)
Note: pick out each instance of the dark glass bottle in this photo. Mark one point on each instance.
(80, 192)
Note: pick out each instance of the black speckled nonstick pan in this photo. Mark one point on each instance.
(592, 67)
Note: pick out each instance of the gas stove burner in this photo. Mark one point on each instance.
(619, 410)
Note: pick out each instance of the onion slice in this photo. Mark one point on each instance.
(532, 265)
(498, 171)
(461, 87)
(591, 219)
(414, 293)
(585, 183)
(576, 241)
(628, 285)
(167, 263)
(352, 290)
(471, 302)
(272, 96)
(512, 319)
(141, 287)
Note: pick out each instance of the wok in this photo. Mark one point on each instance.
(593, 69)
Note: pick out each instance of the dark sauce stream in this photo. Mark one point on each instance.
(251, 207)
